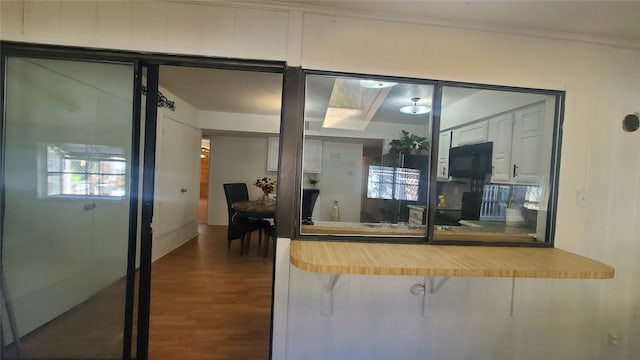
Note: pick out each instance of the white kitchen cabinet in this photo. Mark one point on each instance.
(312, 156)
(526, 152)
(517, 146)
(444, 144)
(501, 135)
(471, 134)
(272, 153)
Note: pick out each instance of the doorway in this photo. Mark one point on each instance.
(206, 297)
(203, 201)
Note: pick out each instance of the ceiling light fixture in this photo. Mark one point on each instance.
(377, 84)
(415, 109)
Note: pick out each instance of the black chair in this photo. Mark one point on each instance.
(271, 233)
(240, 227)
(309, 197)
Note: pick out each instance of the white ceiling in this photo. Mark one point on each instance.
(225, 90)
(613, 22)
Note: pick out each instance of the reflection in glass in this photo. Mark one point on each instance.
(386, 182)
(494, 165)
(85, 170)
(494, 161)
(348, 152)
(380, 182)
(64, 255)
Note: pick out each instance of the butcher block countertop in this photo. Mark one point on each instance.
(443, 260)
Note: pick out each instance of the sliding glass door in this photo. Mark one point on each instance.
(70, 183)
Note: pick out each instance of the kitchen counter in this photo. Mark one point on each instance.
(443, 260)
(475, 231)
(485, 231)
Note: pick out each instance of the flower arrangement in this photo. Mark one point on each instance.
(409, 143)
(266, 184)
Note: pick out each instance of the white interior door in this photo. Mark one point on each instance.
(177, 174)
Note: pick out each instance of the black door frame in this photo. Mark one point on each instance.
(152, 62)
(75, 54)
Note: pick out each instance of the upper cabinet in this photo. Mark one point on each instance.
(501, 135)
(312, 160)
(471, 134)
(312, 155)
(517, 145)
(444, 145)
(526, 151)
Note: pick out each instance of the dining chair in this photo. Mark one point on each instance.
(309, 197)
(270, 234)
(240, 227)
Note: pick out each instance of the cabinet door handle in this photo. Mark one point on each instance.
(183, 190)
(515, 170)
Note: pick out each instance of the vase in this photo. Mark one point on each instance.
(413, 151)
(265, 200)
(335, 211)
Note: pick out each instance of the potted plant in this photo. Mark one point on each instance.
(409, 143)
(313, 180)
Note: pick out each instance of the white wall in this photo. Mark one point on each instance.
(235, 159)
(224, 121)
(555, 319)
(341, 180)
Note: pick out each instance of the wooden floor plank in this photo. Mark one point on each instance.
(210, 303)
(207, 303)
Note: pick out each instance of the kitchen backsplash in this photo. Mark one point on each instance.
(495, 198)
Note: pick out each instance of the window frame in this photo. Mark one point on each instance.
(293, 121)
(46, 173)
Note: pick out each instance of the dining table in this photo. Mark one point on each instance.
(256, 209)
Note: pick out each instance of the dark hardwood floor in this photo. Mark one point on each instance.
(206, 303)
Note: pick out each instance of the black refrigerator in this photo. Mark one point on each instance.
(410, 184)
